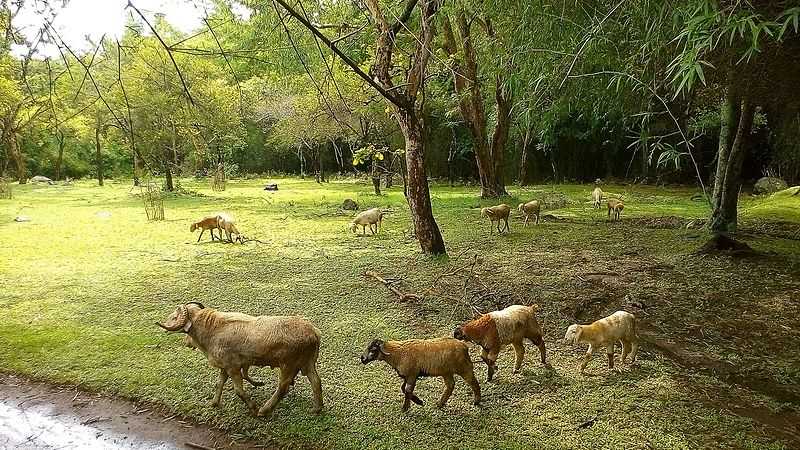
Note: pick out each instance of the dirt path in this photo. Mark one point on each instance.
(44, 417)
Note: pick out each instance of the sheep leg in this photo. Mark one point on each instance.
(223, 378)
(537, 219)
(246, 377)
(490, 358)
(287, 376)
(626, 349)
(519, 348)
(610, 353)
(506, 221)
(370, 228)
(236, 377)
(586, 358)
(316, 386)
(634, 350)
(525, 224)
(408, 390)
(449, 384)
(469, 377)
(212, 235)
(539, 341)
(202, 230)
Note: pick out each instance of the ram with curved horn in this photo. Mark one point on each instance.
(233, 341)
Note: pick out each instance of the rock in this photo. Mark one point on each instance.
(769, 185)
(349, 204)
(41, 179)
(22, 219)
(271, 187)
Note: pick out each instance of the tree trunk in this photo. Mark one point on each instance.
(18, 157)
(60, 158)
(376, 177)
(135, 169)
(736, 124)
(465, 77)
(500, 138)
(99, 156)
(522, 176)
(419, 198)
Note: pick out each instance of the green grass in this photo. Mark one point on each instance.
(80, 292)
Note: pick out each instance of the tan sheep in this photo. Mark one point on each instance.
(495, 330)
(366, 218)
(415, 358)
(496, 214)
(532, 208)
(616, 206)
(597, 197)
(228, 223)
(188, 342)
(618, 327)
(233, 342)
(207, 223)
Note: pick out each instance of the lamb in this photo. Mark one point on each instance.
(495, 330)
(232, 342)
(188, 342)
(415, 358)
(496, 214)
(532, 208)
(616, 206)
(597, 197)
(366, 218)
(620, 326)
(207, 223)
(228, 223)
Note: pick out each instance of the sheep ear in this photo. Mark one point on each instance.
(383, 348)
(187, 326)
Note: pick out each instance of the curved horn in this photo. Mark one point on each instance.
(199, 305)
(179, 322)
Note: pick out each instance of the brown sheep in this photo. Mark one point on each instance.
(532, 208)
(618, 327)
(207, 223)
(233, 341)
(496, 214)
(228, 223)
(416, 358)
(616, 206)
(495, 330)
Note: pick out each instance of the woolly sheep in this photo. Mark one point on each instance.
(616, 206)
(234, 341)
(620, 326)
(495, 330)
(532, 208)
(411, 359)
(188, 342)
(366, 218)
(597, 197)
(496, 214)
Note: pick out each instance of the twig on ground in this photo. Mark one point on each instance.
(95, 420)
(198, 446)
(390, 285)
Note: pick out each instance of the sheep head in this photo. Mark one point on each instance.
(573, 334)
(353, 227)
(519, 208)
(375, 350)
(179, 320)
(485, 212)
(459, 334)
(193, 227)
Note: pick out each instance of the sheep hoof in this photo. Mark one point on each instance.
(316, 411)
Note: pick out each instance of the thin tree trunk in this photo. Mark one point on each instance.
(522, 177)
(18, 157)
(419, 198)
(376, 177)
(736, 124)
(135, 169)
(99, 156)
(500, 137)
(60, 159)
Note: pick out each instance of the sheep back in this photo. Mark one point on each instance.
(617, 326)
(515, 323)
(368, 217)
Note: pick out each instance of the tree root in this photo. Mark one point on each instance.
(724, 244)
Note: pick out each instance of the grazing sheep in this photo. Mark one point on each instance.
(366, 218)
(496, 214)
(616, 206)
(228, 223)
(207, 223)
(620, 326)
(233, 341)
(495, 330)
(188, 342)
(415, 358)
(597, 197)
(532, 208)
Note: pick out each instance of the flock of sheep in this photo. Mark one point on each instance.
(233, 342)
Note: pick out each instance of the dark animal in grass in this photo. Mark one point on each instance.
(271, 187)
(233, 342)
(497, 329)
(416, 358)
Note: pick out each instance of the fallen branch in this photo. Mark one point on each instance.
(390, 285)
(198, 446)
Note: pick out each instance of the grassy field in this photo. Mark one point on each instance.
(82, 283)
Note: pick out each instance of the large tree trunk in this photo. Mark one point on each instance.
(736, 124)
(419, 198)
(18, 157)
(500, 138)
(99, 156)
(465, 77)
(60, 159)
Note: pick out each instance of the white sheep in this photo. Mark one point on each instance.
(233, 342)
(597, 197)
(618, 327)
(366, 218)
(496, 214)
